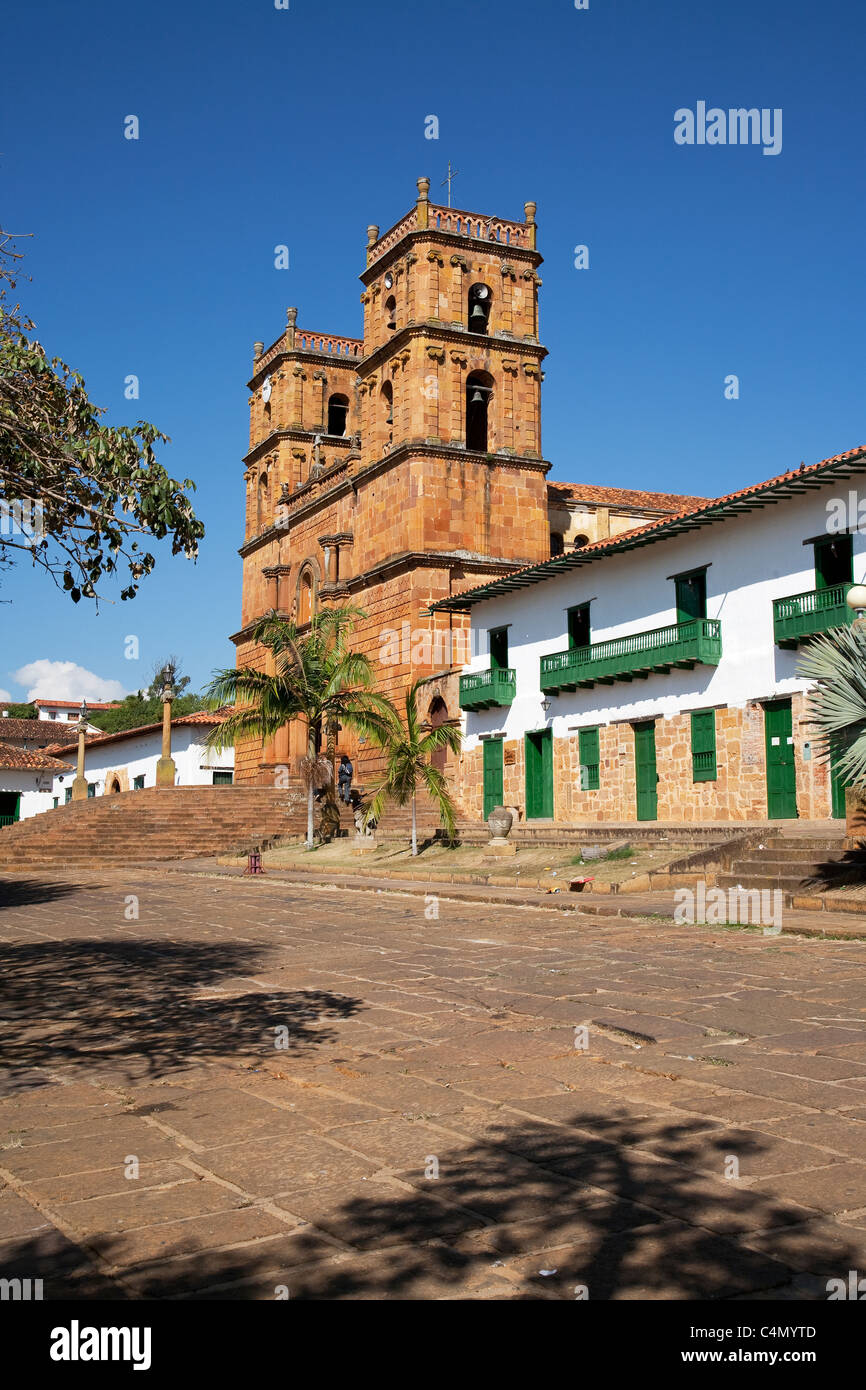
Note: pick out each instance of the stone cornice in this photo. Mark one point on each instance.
(305, 436)
(401, 454)
(449, 241)
(305, 355)
(396, 564)
(432, 327)
(454, 334)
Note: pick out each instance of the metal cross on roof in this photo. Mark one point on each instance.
(452, 174)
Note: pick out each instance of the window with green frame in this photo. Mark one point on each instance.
(138, 783)
(587, 742)
(704, 746)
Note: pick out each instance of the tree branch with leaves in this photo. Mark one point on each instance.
(97, 491)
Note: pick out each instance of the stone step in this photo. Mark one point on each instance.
(772, 863)
(788, 883)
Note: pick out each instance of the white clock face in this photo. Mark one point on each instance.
(266, 389)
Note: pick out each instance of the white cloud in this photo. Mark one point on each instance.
(64, 680)
(6, 698)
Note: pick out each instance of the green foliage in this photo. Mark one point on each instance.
(99, 487)
(624, 852)
(408, 746)
(22, 711)
(179, 682)
(316, 678)
(836, 662)
(137, 710)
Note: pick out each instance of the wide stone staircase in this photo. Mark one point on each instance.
(165, 823)
(796, 863)
(154, 823)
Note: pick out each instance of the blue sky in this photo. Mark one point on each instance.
(261, 127)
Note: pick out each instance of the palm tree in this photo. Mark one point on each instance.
(407, 748)
(836, 661)
(316, 678)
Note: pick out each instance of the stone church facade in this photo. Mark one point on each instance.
(397, 469)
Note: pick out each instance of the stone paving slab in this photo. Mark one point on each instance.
(331, 1092)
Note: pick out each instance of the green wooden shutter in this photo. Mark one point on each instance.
(589, 760)
(691, 592)
(704, 746)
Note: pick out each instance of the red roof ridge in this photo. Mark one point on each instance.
(30, 760)
(626, 539)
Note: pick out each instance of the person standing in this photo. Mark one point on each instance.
(344, 778)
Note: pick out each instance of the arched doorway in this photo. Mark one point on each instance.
(114, 786)
(436, 715)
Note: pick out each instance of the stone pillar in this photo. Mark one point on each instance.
(529, 210)
(291, 324)
(422, 206)
(79, 783)
(165, 768)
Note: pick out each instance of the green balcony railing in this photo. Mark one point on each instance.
(802, 615)
(8, 820)
(697, 643)
(485, 689)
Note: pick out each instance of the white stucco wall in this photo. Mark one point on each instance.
(35, 789)
(138, 756)
(753, 559)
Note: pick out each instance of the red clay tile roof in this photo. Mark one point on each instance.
(623, 497)
(75, 704)
(203, 717)
(42, 732)
(788, 484)
(24, 761)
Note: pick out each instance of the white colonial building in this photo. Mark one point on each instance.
(653, 675)
(27, 777)
(126, 761)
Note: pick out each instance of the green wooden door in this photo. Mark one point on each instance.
(578, 626)
(498, 648)
(646, 776)
(837, 791)
(539, 775)
(492, 774)
(834, 562)
(691, 596)
(781, 769)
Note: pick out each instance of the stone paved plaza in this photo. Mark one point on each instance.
(250, 1090)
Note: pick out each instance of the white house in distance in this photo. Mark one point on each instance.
(126, 761)
(653, 675)
(68, 711)
(26, 780)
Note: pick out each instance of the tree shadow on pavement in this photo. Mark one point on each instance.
(533, 1211)
(26, 892)
(149, 1006)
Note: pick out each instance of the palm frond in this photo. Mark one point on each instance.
(836, 661)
